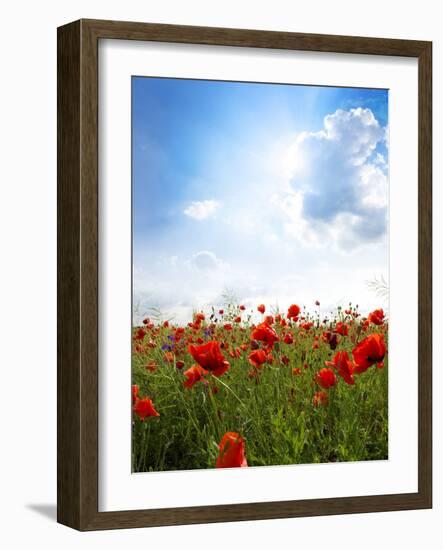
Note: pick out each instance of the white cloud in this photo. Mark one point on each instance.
(201, 210)
(380, 159)
(338, 191)
(205, 260)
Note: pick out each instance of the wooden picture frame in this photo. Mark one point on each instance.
(78, 273)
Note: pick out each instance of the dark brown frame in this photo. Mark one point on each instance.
(77, 455)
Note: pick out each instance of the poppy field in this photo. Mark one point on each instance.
(243, 386)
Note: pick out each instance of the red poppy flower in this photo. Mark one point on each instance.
(210, 357)
(331, 338)
(296, 371)
(377, 317)
(135, 390)
(269, 320)
(242, 308)
(326, 378)
(179, 331)
(285, 360)
(317, 303)
(341, 328)
(166, 324)
(306, 326)
(257, 358)
(140, 334)
(193, 375)
(144, 408)
(365, 325)
(227, 326)
(237, 319)
(179, 364)
(232, 451)
(369, 351)
(293, 312)
(199, 317)
(261, 308)
(151, 366)
(343, 365)
(288, 339)
(265, 333)
(220, 311)
(320, 398)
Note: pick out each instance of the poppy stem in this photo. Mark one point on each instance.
(232, 391)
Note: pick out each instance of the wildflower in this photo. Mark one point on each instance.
(320, 398)
(326, 378)
(254, 344)
(343, 365)
(144, 408)
(257, 357)
(293, 312)
(135, 390)
(341, 328)
(210, 357)
(377, 317)
(193, 375)
(199, 317)
(288, 339)
(331, 338)
(261, 308)
(140, 334)
(231, 452)
(265, 333)
(369, 351)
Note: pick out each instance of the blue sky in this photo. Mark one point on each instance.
(276, 192)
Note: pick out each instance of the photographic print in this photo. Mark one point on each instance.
(260, 286)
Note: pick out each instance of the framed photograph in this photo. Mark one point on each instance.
(244, 274)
